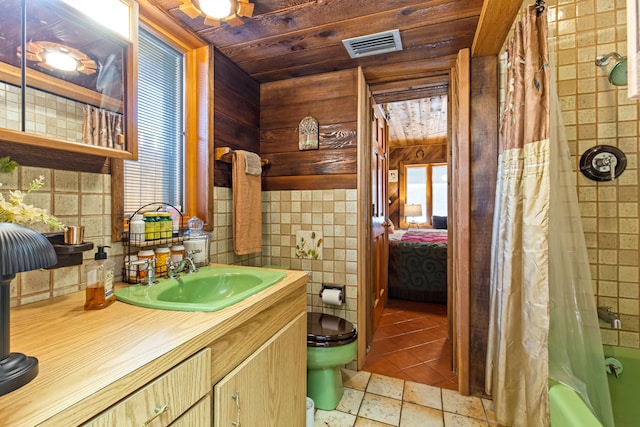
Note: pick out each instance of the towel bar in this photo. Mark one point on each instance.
(225, 154)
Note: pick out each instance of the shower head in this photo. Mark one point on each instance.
(617, 74)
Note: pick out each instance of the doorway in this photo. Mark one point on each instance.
(411, 338)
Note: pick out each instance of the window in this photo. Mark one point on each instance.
(426, 185)
(157, 176)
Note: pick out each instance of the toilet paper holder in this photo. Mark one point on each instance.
(332, 286)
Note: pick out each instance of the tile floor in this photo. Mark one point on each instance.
(411, 343)
(373, 400)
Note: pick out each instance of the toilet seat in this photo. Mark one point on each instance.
(326, 330)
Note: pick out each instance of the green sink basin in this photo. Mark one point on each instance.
(211, 288)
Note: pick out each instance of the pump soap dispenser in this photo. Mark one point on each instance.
(99, 281)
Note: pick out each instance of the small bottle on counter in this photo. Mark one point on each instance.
(130, 271)
(166, 225)
(177, 253)
(142, 255)
(151, 226)
(162, 256)
(99, 291)
(136, 229)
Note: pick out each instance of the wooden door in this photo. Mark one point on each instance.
(379, 214)
(459, 226)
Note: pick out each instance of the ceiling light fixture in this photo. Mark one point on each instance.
(216, 12)
(56, 56)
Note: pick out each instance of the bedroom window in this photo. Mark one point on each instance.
(426, 185)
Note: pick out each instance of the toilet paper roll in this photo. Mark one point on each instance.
(332, 296)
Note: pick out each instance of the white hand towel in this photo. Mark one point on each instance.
(252, 164)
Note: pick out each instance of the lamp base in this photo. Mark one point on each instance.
(16, 370)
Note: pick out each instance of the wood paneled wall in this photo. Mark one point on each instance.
(236, 113)
(400, 156)
(331, 98)
(484, 169)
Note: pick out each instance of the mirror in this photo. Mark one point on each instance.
(75, 74)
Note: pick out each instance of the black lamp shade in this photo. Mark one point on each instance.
(23, 249)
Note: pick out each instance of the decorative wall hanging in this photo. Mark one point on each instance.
(603, 163)
(393, 175)
(308, 134)
(309, 244)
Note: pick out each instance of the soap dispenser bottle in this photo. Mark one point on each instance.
(99, 281)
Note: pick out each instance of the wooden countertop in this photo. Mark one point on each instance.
(89, 360)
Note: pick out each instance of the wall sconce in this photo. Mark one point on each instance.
(412, 211)
(218, 11)
(21, 249)
(56, 56)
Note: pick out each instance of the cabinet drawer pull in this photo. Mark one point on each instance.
(158, 411)
(236, 396)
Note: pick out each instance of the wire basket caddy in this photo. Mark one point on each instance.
(160, 238)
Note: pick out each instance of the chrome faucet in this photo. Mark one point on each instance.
(605, 314)
(173, 268)
(149, 278)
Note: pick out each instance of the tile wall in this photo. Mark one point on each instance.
(46, 114)
(331, 212)
(222, 235)
(598, 113)
(76, 199)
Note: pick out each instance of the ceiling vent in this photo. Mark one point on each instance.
(373, 44)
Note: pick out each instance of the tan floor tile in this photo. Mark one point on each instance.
(470, 406)
(488, 409)
(455, 420)
(351, 400)
(365, 422)
(420, 416)
(422, 394)
(380, 408)
(333, 419)
(386, 386)
(355, 379)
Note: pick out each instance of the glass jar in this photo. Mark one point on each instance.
(162, 256)
(198, 243)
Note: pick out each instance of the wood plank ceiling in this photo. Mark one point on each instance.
(292, 38)
(417, 122)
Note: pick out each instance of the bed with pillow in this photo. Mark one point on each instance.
(418, 265)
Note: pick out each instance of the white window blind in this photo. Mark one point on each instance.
(157, 176)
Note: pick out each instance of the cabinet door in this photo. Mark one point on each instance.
(270, 387)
